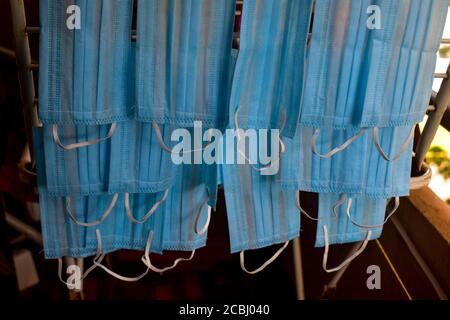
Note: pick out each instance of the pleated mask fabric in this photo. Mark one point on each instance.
(186, 211)
(81, 171)
(184, 61)
(269, 72)
(259, 213)
(137, 162)
(119, 165)
(371, 77)
(84, 72)
(64, 237)
(339, 227)
(359, 169)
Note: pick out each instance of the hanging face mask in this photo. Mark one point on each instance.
(183, 61)
(302, 169)
(121, 165)
(371, 65)
(402, 62)
(85, 47)
(361, 168)
(388, 162)
(335, 227)
(259, 213)
(268, 77)
(334, 212)
(187, 213)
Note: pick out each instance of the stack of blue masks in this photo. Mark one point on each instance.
(347, 107)
(63, 222)
(367, 85)
(81, 226)
(105, 183)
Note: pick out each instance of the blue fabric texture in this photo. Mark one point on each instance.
(84, 74)
(359, 169)
(259, 213)
(184, 64)
(351, 80)
(365, 77)
(63, 237)
(340, 228)
(187, 199)
(269, 72)
(119, 164)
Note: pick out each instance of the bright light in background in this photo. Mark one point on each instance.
(439, 184)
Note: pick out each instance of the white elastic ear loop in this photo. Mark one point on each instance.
(95, 223)
(333, 151)
(375, 226)
(297, 202)
(146, 260)
(201, 231)
(112, 273)
(163, 145)
(265, 264)
(338, 204)
(72, 146)
(402, 150)
(346, 261)
(149, 213)
(282, 145)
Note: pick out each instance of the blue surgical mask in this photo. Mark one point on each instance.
(269, 72)
(84, 70)
(184, 61)
(187, 213)
(335, 227)
(371, 77)
(259, 213)
(123, 164)
(359, 169)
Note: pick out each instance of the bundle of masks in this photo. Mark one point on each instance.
(339, 107)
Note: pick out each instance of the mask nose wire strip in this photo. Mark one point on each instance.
(346, 261)
(282, 149)
(163, 145)
(297, 202)
(72, 146)
(112, 273)
(149, 213)
(95, 223)
(364, 226)
(202, 231)
(265, 264)
(402, 149)
(333, 151)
